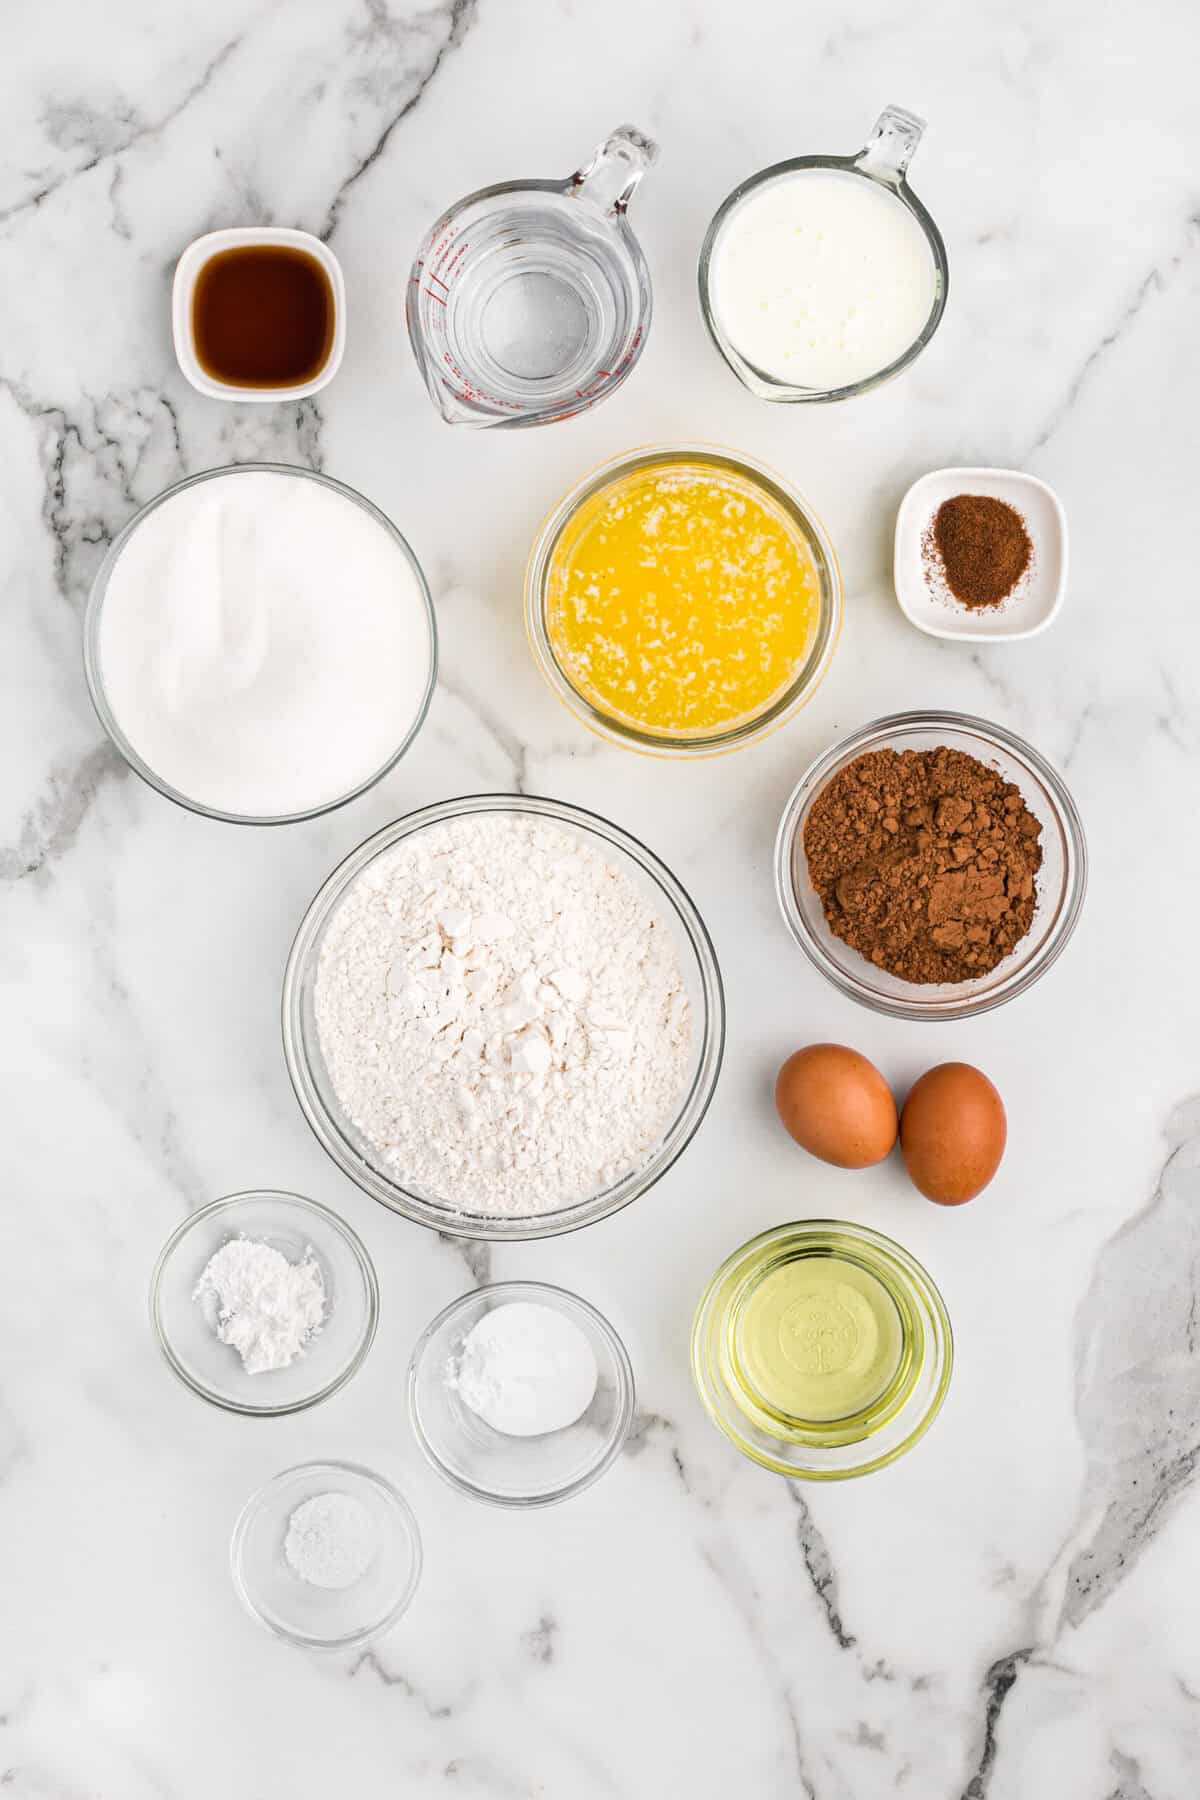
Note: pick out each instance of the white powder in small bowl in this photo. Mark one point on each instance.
(525, 1369)
(264, 1306)
(331, 1541)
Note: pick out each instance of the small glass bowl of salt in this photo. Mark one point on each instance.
(264, 1302)
(520, 1394)
(327, 1555)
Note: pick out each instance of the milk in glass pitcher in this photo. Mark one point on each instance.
(823, 276)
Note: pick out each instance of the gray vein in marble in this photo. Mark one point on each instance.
(95, 460)
(538, 1643)
(384, 31)
(1129, 1779)
(819, 1565)
(1138, 1408)
(1155, 282)
(1171, 721)
(106, 134)
(394, 1678)
(511, 747)
(1011, 697)
(476, 1253)
(998, 1684)
(645, 1425)
(120, 220)
(495, 1779)
(741, 1592)
(1083, 719)
(137, 1092)
(40, 1784)
(53, 823)
(1138, 1376)
(863, 1738)
(649, 1425)
(287, 433)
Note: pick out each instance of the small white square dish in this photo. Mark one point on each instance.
(920, 589)
(264, 320)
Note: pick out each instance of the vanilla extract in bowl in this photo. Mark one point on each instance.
(263, 316)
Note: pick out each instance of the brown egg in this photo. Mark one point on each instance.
(952, 1133)
(837, 1104)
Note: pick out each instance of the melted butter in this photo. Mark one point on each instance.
(682, 599)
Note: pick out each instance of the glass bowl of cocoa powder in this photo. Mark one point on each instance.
(931, 865)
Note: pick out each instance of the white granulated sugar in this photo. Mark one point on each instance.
(331, 1541)
(503, 1015)
(264, 1306)
(264, 643)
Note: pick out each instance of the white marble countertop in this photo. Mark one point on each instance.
(1008, 1612)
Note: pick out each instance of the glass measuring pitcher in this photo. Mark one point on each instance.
(531, 301)
(837, 280)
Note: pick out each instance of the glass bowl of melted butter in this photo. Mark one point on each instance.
(682, 601)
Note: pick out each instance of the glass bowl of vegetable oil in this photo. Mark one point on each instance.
(822, 1350)
(683, 601)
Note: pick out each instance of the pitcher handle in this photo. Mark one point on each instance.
(609, 179)
(890, 147)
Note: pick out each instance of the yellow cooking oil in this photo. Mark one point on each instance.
(682, 598)
(818, 1338)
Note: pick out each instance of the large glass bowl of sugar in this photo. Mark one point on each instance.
(260, 643)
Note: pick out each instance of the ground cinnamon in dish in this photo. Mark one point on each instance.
(925, 862)
(979, 546)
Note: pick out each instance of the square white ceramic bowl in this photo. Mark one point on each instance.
(1035, 601)
(188, 268)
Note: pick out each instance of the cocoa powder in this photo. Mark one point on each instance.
(925, 862)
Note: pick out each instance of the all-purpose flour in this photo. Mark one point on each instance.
(503, 1014)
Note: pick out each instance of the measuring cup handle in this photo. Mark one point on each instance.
(609, 179)
(889, 149)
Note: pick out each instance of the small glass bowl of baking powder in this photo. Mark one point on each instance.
(363, 1162)
(1061, 880)
(491, 1465)
(295, 1227)
(332, 1597)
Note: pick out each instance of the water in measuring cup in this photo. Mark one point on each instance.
(532, 310)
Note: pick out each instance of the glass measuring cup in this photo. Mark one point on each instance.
(884, 159)
(530, 301)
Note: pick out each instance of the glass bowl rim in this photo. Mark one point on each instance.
(899, 1261)
(563, 1300)
(342, 1229)
(786, 704)
(94, 608)
(502, 1228)
(1074, 885)
(398, 1504)
(769, 387)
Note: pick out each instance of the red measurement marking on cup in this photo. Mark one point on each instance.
(596, 384)
(446, 254)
